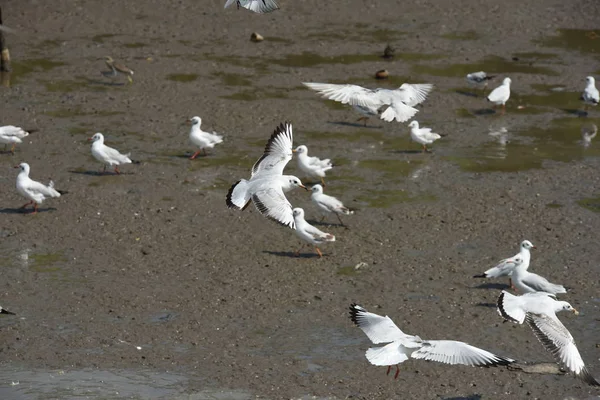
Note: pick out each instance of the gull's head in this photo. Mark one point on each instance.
(564, 306)
(23, 167)
(98, 137)
(301, 150)
(293, 182)
(317, 188)
(195, 121)
(526, 244)
(518, 260)
(506, 82)
(298, 212)
(590, 80)
(413, 124)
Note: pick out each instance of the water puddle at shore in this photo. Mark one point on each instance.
(584, 41)
(182, 78)
(23, 68)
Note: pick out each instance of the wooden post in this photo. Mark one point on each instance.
(5, 55)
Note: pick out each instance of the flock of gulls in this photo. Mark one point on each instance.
(536, 306)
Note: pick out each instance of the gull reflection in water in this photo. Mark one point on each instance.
(500, 134)
(588, 132)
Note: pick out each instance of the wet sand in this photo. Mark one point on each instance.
(215, 298)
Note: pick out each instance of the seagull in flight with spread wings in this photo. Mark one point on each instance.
(258, 6)
(371, 102)
(267, 183)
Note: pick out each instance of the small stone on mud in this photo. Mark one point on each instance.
(382, 74)
(256, 37)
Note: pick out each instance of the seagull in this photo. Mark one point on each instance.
(107, 155)
(588, 133)
(423, 136)
(267, 183)
(527, 282)
(328, 204)
(117, 68)
(201, 139)
(369, 102)
(12, 134)
(501, 94)
(309, 233)
(36, 192)
(539, 311)
(590, 95)
(401, 346)
(476, 78)
(258, 6)
(506, 267)
(312, 166)
(5, 311)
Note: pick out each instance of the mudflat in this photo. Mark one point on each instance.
(144, 285)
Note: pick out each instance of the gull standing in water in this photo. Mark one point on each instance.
(12, 135)
(202, 140)
(527, 282)
(107, 155)
(423, 136)
(309, 233)
(313, 167)
(590, 95)
(258, 6)
(370, 102)
(328, 204)
(35, 191)
(506, 267)
(501, 94)
(401, 346)
(267, 183)
(118, 68)
(539, 310)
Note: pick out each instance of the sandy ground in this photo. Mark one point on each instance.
(153, 258)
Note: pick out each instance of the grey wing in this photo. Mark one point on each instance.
(278, 152)
(413, 94)
(272, 203)
(260, 6)
(379, 329)
(37, 187)
(453, 352)
(318, 235)
(559, 342)
(541, 284)
(504, 268)
(349, 94)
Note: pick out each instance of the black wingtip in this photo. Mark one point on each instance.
(500, 361)
(3, 311)
(30, 131)
(500, 305)
(489, 77)
(136, 162)
(354, 310)
(479, 276)
(229, 194)
(62, 192)
(585, 376)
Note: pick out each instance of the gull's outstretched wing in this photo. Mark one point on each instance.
(278, 152)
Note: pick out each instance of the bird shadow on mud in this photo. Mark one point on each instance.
(325, 223)
(103, 83)
(354, 124)
(484, 111)
(494, 286)
(579, 113)
(409, 151)
(471, 397)
(98, 173)
(292, 254)
(490, 305)
(465, 93)
(24, 210)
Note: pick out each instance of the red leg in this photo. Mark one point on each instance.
(322, 182)
(12, 149)
(389, 369)
(397, 372)
(35, 206)
(26, 204)
(195, 155)
(117, 170)
(319, 252)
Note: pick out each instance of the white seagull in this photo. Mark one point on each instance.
(539, 311)
(590, 95)
(477, 78)
(588, 133)
(401, 346)
(328, 204)
(12, 135)
(36, 192)
(309, 233)
(501, 94)
(527, 282)
(107, 155)
(5, 311)
(267, 183)
(505, 267)
(370, 102)
(423, 136)
(202, 140)
(258, 6)
(312, 166)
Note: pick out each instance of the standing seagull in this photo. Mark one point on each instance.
(267, 183)
(118, 68)
(477, 78)
(36, 192)
(312, 166)
(258, 6)
(12, 135)
(309, 233)
(107, 155)
(370, 102)
(328, 204)
(590, 95)
(501, 94)
(203, 140)
(539, 311)
(527, 282)
(506, 267)
(401, 346)
(423, 136)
